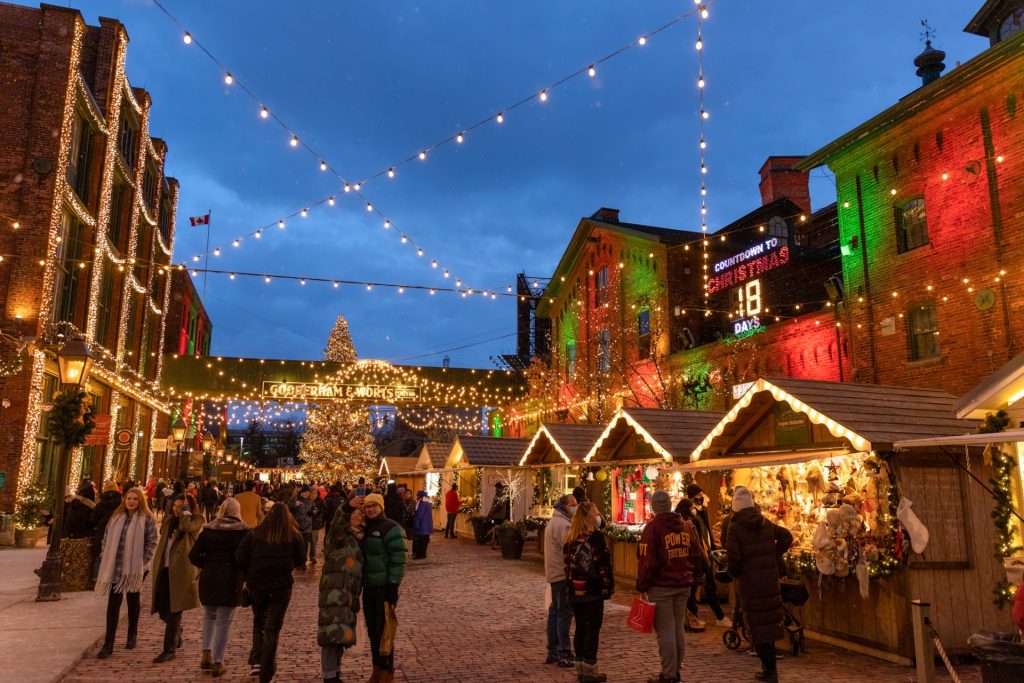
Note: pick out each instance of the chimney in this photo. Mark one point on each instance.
(929, 63)
(780, 179)
(606, 215)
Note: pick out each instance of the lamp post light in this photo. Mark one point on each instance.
(178, 430)
(74, 362)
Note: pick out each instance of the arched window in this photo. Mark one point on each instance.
(911, 225)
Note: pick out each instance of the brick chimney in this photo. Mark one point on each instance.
(779, 179)
(606, 215)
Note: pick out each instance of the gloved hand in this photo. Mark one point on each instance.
(391, 594)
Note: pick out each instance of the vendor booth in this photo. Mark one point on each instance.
(401, 470)
(873, 528)
(477, 464)
(628, 460)
(555, 454)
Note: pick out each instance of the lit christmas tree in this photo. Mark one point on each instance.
(338, 441)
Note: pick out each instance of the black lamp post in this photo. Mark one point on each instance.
(178, 430)
(74, 361)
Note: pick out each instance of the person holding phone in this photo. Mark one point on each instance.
(384, 556)
(174, 589)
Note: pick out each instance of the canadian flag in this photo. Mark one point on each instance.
(199, 220)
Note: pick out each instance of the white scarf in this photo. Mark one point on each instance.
(133, 568)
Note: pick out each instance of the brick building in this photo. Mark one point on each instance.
(87, 234)
(189, 330)
(931, 218)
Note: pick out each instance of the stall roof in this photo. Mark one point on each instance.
(672, 433)
(434, 454)
(572, 441)
(869, 416)
(485, 451)
(394, 464)
(1008, 436)
(998, 391)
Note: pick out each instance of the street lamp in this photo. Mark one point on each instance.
(178, 430)
(74, 362)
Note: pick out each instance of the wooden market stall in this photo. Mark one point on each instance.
(401, 470)
(820, 460)
(477, 463)
(556, 453)
(628, 460)
(429, 465)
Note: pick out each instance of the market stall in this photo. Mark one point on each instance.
(628, 460)
(476, 464)
(556, 454)
(873, 528)
(429, 464)
(401, 470)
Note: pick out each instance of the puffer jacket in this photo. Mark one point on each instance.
(384, 552)
(669, 553)
(423, 518)
(755, 549)
(220, 576)
(341, 582)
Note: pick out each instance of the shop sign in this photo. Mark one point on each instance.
(123, 439)
(746, 325)
(348, 392)
(751, 263)
(99, 436)
(739, 389)
(792, 427)
(159, 445)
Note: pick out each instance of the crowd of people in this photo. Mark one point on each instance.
(248, 538)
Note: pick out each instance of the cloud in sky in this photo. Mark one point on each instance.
(369, 83)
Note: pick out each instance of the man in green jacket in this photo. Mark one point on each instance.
(384, 552)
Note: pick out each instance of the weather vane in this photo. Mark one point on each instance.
(928, 32)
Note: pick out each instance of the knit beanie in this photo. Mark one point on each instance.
(109, 486)
(374, 498)
(742, 499)
(661, 502)
(693, 490)
(230, 508)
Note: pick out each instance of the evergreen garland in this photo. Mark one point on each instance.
(1006, 543)
(71, 419)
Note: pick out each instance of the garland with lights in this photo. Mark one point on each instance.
(623, 533)
(1006, 543)
(71, 419)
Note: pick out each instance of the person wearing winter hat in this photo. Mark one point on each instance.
(698, 514)
(755, 549)
(220, 581)
(301, 507)
(669, 559)
(422, 526)
(384, 553)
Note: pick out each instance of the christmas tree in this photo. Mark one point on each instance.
(338, 441)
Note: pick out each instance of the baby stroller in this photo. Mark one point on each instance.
(794, 594)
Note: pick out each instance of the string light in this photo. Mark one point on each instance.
(323, 165)
(543, 95)
(500, 118)
(591, 71)
(187, 38)
(228, 78)
(264, 112)
(294, 141)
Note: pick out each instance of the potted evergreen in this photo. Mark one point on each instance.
(29, 524)
(512, 537)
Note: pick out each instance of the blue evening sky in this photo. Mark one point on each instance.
(369, 83)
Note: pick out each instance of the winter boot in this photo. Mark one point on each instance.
(694, 624)
(132, 639)
(106, 650)
(387, 676)
(579, 670)
(218, 669)
(336, 679)
(590, 674)
(769, 676)
(207, 662)
(375, 676)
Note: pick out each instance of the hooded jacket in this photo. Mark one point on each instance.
(220, 576)
(302, 510)
(554, 541)
(423, 518)
(755, 548)
(340, 584)
(669, 553)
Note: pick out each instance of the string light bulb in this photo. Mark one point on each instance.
(591, 71)
(543, 95)
(419, 252)
(304, 213)
(404, 239)
(357, 186)
(703, 12)
(216, 252)
(387, 224)
(369, 206)
(330, 200)
(264, 112)
(235, 243)
(228, 78)
(294, 141)
(642, 40)
(187, 38)
(391, 172)
(280, 224)
(700, 44)
(500, 118)
(258, 234)
(323, 165)
(347, 188)
(423, 154)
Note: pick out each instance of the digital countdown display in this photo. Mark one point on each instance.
(740, 278)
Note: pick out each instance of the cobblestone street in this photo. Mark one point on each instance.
(466, 615)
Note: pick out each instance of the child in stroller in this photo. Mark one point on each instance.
(794, 594)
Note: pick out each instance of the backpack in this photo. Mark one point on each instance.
(582, 567)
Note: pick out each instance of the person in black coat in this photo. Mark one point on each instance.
(394, 506)
(332, 501)
(267, 555)
(78, 512)
(209, 496)
(109, 501)
(755, 548)
(220, 581)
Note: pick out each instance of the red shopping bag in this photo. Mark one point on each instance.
(641, 616)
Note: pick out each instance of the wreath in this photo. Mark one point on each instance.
(71, 419)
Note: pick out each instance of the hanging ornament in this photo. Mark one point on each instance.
(601, 475)
(652, 473)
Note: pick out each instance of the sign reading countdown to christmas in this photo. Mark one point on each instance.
(302, 391)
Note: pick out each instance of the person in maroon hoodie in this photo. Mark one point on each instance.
(669, 557)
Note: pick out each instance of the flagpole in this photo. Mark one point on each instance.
(206, 261)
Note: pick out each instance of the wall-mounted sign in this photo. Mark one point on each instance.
(123, 439)
(792, 428)
(739, 389)
(301, 391)
(746, 325)
(751, 263)
(100, 435)
(159, 445)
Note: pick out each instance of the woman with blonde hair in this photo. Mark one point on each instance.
(588, 572)
(128, 544)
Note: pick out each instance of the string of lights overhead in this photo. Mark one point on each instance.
(498, 116)
(702, 14)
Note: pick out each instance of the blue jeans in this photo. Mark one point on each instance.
(559, 618)
(217, 629)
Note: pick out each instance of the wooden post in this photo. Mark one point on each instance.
(924, 654)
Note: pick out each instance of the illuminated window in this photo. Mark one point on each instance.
(604, 352)
(911, 225)
(923, 331)
(643, 324)
(601, 286)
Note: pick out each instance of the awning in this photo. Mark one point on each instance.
(1009, 436)
(758, 460)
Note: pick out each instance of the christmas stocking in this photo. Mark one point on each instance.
(918, 531)
(862, 578)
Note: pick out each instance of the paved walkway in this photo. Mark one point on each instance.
(467, 616)
(40, 641)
